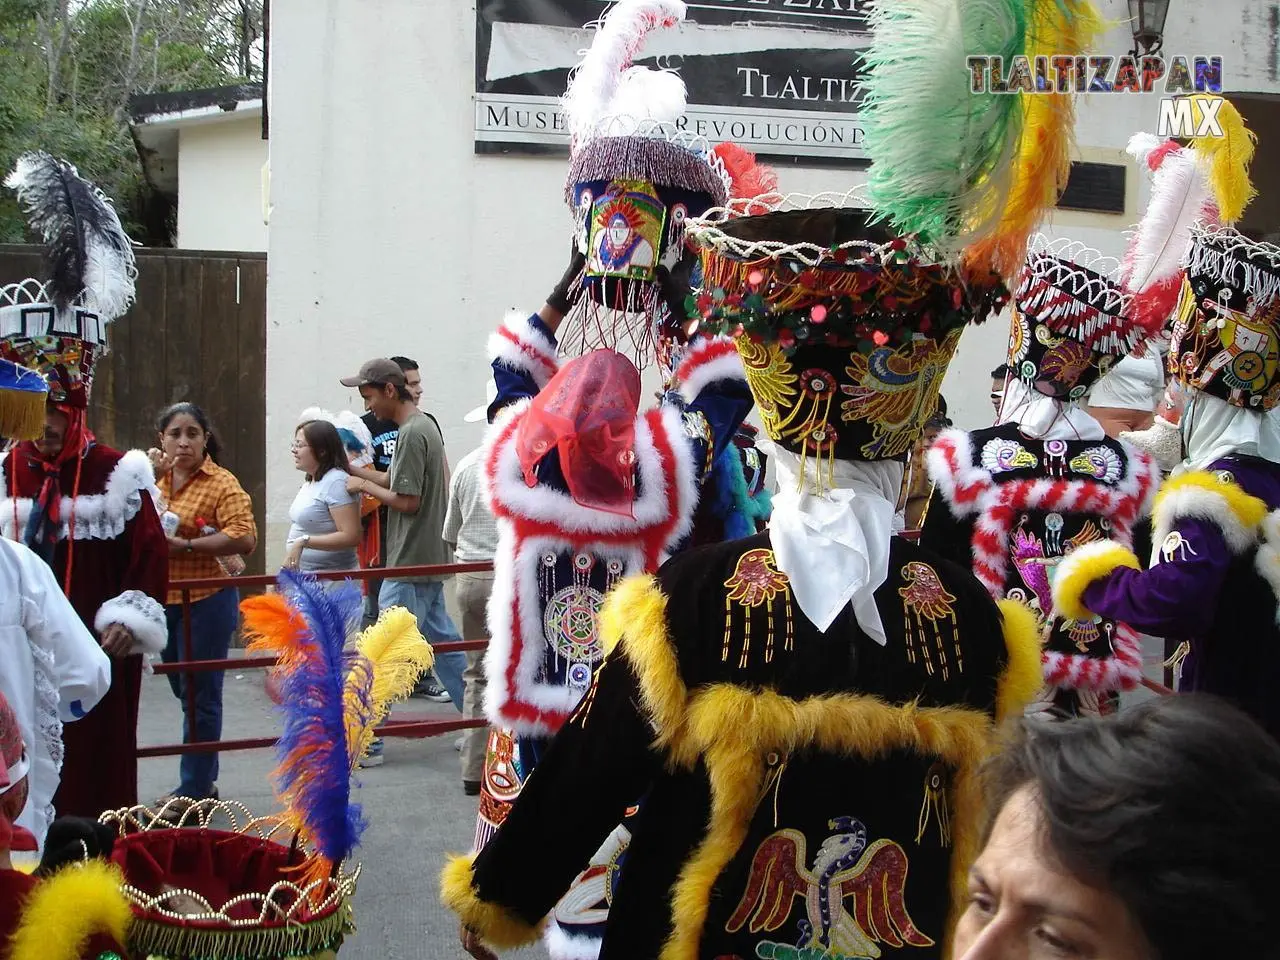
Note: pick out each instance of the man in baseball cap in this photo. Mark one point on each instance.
(376, 373)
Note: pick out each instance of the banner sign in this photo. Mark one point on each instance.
(778, 77)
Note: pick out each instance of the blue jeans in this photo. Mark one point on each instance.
(426, 602)
(213, 621)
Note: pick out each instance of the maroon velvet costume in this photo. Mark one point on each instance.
(119, 546)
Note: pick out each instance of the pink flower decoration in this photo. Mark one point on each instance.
(818, 314)
(755, 278)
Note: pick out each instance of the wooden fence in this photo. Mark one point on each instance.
(197, 332)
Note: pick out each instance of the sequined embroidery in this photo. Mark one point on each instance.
(1101, 463)
(873, 875)
(935, 805)
(1000, 455)
(925, 598)
(756, 580)
(895, 389)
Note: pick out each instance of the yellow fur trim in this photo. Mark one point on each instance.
(1081, 567)
(1022, 676)
(1203, 494)
(637, 612)
(64, 911)
(733, 729)
(494, 925)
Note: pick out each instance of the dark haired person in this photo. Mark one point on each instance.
(999, 376)
(1146, 835)
(214, 519)
(415, 491)
(90, 513)
(325, 517)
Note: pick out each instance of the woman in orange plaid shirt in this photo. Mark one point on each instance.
(209, 517)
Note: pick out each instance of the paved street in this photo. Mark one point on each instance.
(414, 802)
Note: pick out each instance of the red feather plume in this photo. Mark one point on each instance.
(748, 176)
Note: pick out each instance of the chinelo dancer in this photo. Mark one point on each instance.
(1211, 583)
(804, 710)
(89, 511)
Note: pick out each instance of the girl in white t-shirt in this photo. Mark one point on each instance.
(325, 518)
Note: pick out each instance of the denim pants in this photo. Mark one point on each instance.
(213, 621)
(426, 602)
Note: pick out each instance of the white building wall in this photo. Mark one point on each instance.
(220, 185)
(390, 236)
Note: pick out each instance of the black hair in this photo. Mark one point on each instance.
(405, 364)
(402, 391)
(1001, 372)
(212, 445)
(326, 444)
(1170, 805)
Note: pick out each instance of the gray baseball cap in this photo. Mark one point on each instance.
(376, 371)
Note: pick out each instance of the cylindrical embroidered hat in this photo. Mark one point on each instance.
(1071, 319)
(845, 329)
(1226, 329)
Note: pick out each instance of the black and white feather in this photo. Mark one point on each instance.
(89, 257)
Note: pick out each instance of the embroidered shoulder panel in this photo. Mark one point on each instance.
(98, 516)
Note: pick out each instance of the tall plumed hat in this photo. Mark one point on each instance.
(635, 177)
(1071, 319)
(1226, 328)
(58, 325)
(845, 329)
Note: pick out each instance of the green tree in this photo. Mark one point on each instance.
(69, 67)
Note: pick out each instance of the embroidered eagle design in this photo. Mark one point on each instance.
(873, 876)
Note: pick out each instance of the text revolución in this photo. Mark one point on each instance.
(1069, 74)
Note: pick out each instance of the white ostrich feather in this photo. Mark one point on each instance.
(1179, 197)
(606, 86)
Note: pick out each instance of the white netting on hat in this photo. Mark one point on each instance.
(1079, 270)
(709, 231)
(1251, 266)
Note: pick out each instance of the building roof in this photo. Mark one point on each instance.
(156, 118)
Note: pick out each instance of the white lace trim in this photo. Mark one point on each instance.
(48, 721)
(98, 516)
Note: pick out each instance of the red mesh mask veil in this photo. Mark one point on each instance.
(588, 414)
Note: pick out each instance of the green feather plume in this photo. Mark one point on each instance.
(941, 155)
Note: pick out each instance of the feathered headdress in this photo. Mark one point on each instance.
(57, 326)
(330, 702)
(356, 438)
(606, 92)
(87, 251)
(941, 155)
(1206, 181)
(1043, 161)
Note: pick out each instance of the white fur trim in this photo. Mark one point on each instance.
(554, 506)
(141, 614)
(1197, 503)
(531, 352)
(1267, 562)
(687, 473)
(709, 360)
(957, 444)
(515, 595)
(98, 516)
(562, 945)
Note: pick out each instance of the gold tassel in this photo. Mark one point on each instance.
(21, 414)
(935, 800)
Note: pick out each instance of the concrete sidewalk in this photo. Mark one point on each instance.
(414, 803)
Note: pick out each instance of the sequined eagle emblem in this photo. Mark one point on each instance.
(846, 868)
(756, 580)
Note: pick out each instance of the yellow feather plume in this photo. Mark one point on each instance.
(1226, 158)
(64, 911)
(1043, 162)
(393, 655)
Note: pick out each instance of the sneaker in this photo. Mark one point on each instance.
(374, 757)
(430, 689)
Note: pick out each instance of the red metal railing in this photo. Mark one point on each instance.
(188, 666)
